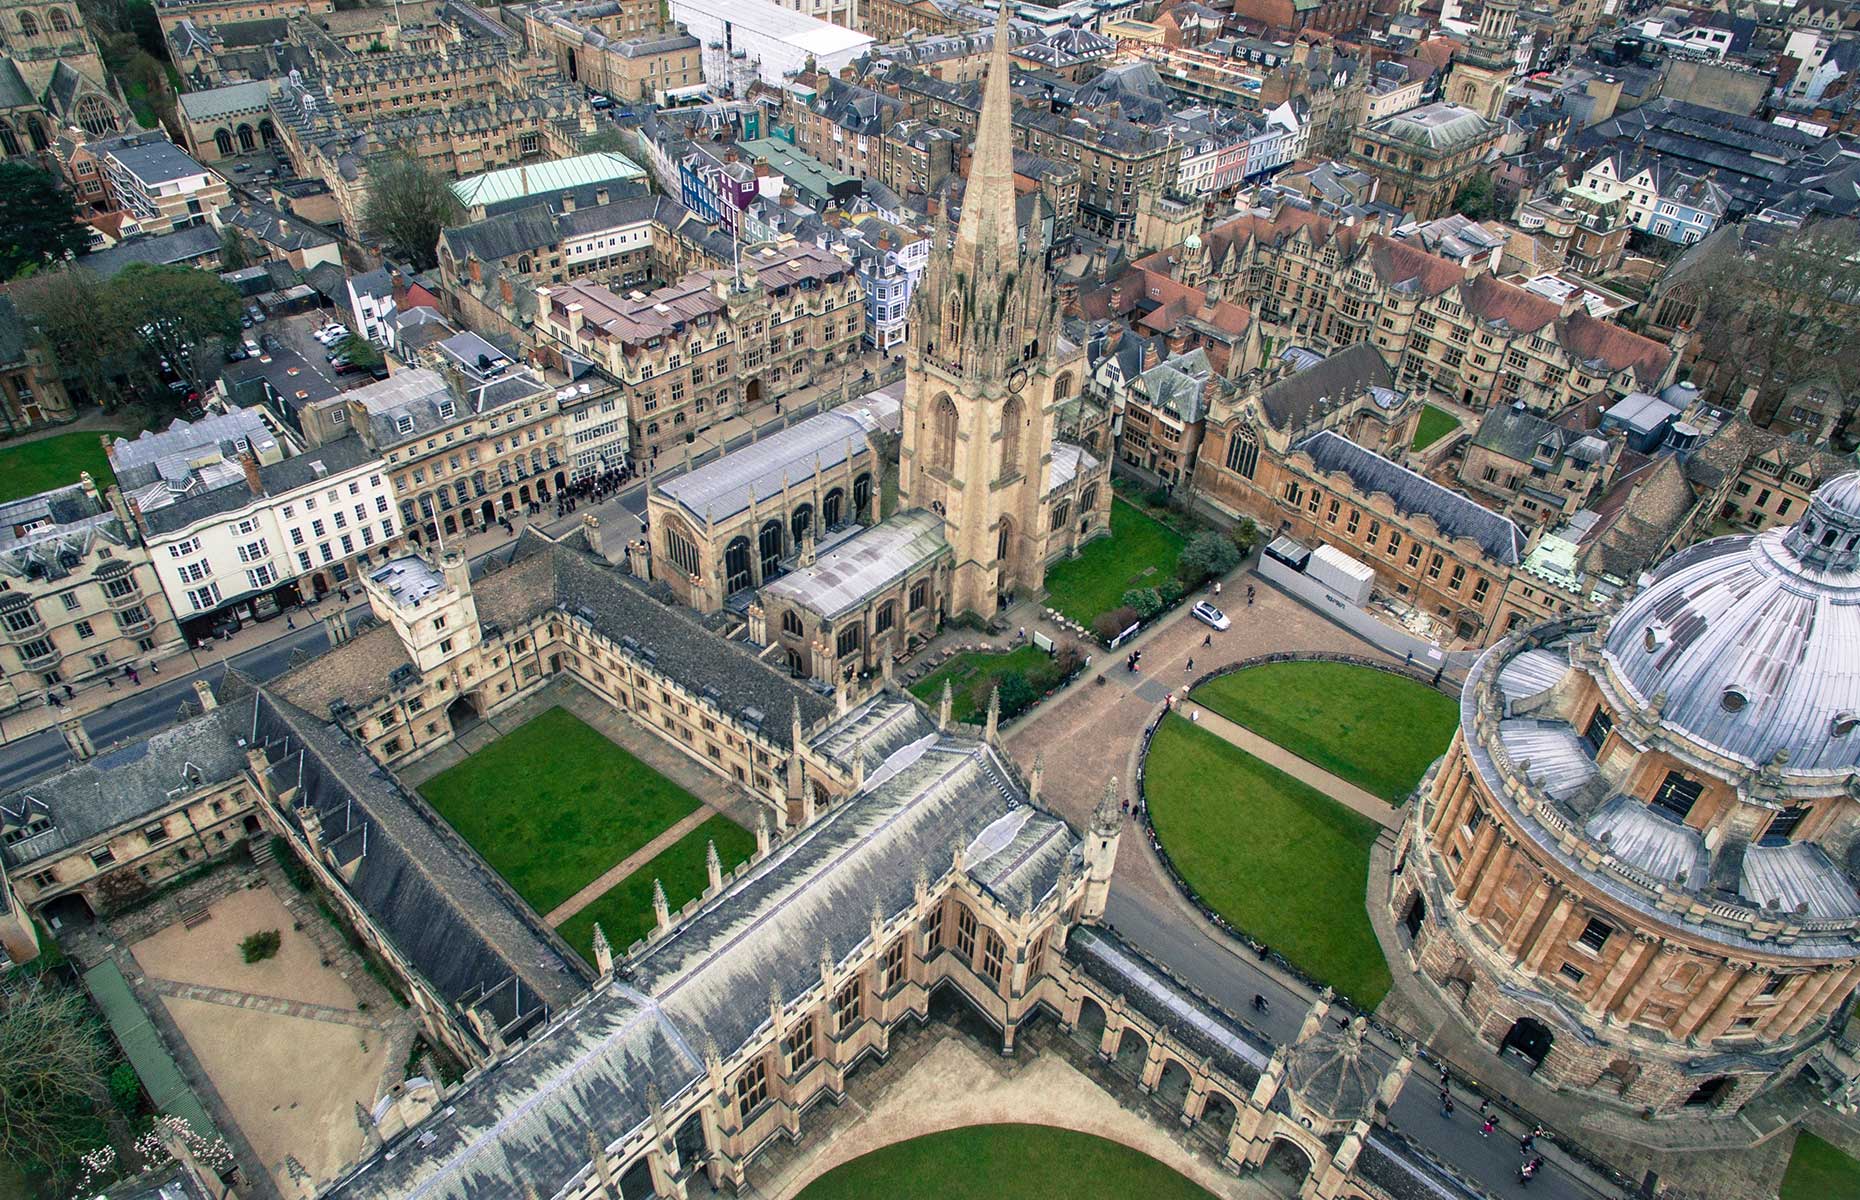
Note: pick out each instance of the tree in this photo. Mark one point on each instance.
(38, 224)
(1210, 554)
(408, 207)
(1478, 199)
(234, 253)
(53, 1064)
(1775, 317)
(182, 316)
(89, 337)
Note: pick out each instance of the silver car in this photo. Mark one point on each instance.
(1210, 616)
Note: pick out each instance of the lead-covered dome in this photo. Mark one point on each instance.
(1754, 641)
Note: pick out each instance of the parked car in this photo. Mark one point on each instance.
(255, 312)
(1211, 616)
(270, 342)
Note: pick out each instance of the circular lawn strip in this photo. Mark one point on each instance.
(1376, 729)
(1277, 859)
(1004, 1162)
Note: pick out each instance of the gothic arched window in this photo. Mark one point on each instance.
(29, 24)
(943, 423)
(1243, 453)
(952, 324)
(1013, 416)
(1005, 539)
(60, 22)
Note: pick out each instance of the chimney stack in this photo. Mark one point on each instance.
(249, 463)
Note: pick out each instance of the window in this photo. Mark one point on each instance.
(84, 630)
(885, 618)
(965, 932)
(1243, 454)
(891, 969)
(798, 1046)
(1782, 826)
(791, 624)
(994, 952)
(848, 641)
(1597, 730)
(752, 1088)
(1677, 795)
(156, 833)
(1572, 973)
(920, 595)
(103, 856)
(848, 1007)
(933, 931)
(1595, 934)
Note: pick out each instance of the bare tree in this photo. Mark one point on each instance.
(409, 205)
(53, 1061)
(1782, 315)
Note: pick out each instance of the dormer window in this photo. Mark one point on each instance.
(403, 424)
(447, 409)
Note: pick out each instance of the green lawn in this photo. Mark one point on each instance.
(1277, 859)
(553, 803)
(625, 912)
(1435, 424)
(963, 672)
(32, 467)
(1818, 1171)
(1140, 552)
(1003, 1162)
(1377, 730)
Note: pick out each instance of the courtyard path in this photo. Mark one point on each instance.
(1341, 790)
(269, 1004)
(608, 879)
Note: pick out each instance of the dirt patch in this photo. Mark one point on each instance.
(291, 1084)
(208, 954)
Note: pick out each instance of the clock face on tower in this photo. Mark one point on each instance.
(1017, 380)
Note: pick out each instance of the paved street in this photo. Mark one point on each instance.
(1095, 731)
(31, 745)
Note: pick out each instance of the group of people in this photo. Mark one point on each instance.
(592, 488)
(1529, 1164)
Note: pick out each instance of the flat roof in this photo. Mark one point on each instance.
(784, 24)
(532, 179)
(845, 577)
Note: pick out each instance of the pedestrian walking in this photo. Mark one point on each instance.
(1485, 1129)
(1194, 714)
(1191, 666)
(1525, 1143)
(1265, 952)
(290, 622)
(1217, 587)
(1446, 1105)
(69, 694)
(1485, 1106)
(1259, 1003)
(155, 667)
(1208, 641)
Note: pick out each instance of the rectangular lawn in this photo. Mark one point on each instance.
(962, 672)
(1277, 859)
(625, 912)
(1377, 730)
(553, 803)
(28, 468)
(1140, 552)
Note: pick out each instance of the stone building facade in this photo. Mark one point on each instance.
(80, 599)
(1425, 156)
(1631, 868)
(714, 344)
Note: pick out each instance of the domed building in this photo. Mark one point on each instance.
(1633, 873)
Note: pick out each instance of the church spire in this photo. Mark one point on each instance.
(988, 222)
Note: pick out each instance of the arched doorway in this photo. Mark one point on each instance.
(1286, 1167)
(1218, 1115)
(463, 712)
(1415, 913)
(1529, 1039)
(752, 394)
(1172, 1086)
(1711, 1093)
(523, 493)
(490, 513)
(1132, 1053)
(1090, 1026)
(561, 481)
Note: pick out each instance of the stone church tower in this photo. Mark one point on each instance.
(986, 373)
(1481, 73)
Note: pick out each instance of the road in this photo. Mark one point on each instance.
(155, 705)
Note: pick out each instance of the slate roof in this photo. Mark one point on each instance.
(1440, 127)
(1517, 433)
(1291, 402)
(1456, 515)
(528, 1117)
(1176, 385)
(225, 101)
(726, 486)
(277, 479)
(181, 246)
(850, 574)
(460, 926)
(127, 782)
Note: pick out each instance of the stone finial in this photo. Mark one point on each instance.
(603, 953)
(944, 704)
(776, 1004)
(713, 1057)
(920, 883)
(1106, 819)
(956, 849)
(859, 763)
(797, 732)
(762, 832)
(1037, 777)
(826, 962)
(661, 909)
(878, 923)
(993, 729)
(713, 865)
